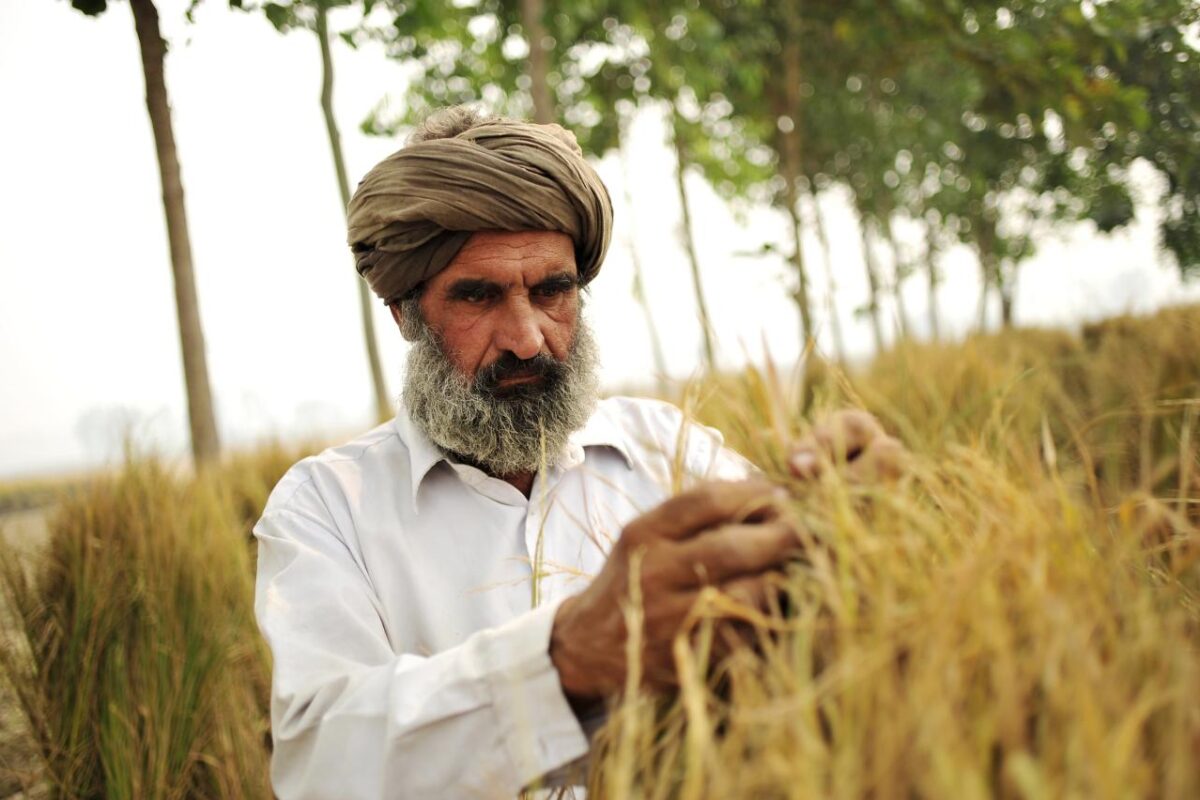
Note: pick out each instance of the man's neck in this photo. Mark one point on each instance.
(522, 480)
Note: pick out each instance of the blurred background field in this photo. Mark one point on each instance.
(936, 210)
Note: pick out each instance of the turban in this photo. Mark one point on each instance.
(415, 210)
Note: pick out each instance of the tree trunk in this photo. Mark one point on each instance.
(1006, 287)
(383, 406)
(689, 245)
(639, 287)
(986, 280)
(872, 285)
(931, 269)
(835, 323)
(807, 329)
(899, 269)
(206, 444)
(985, 243)
(792, 161)
(532, 14)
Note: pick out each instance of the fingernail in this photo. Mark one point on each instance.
(804, 461)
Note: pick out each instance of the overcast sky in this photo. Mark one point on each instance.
(87, 317)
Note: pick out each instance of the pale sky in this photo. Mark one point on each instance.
(87, 318)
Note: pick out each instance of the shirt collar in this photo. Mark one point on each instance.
(422, 453)
(599, 431)
(602, 431)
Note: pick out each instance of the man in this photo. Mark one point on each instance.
(443, 595)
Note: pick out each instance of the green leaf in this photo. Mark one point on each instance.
(280, 16)
(92, 8)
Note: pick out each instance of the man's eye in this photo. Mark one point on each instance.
(477, 294)
(553, 289)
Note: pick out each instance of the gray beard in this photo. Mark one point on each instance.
(504, 433)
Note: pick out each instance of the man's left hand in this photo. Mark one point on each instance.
(853, 442)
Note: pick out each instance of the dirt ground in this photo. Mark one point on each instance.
(23, 529)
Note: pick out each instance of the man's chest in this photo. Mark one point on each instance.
(468, 554)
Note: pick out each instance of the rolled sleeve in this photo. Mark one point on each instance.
(540, 731)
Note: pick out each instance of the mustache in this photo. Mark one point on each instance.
(543, 366)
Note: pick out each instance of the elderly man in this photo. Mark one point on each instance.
(443, 595)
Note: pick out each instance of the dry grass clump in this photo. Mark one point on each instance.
(137, 662)
(1115, 403)
(975, 632)
(1020, 617)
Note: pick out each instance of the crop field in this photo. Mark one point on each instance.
(1018, 617)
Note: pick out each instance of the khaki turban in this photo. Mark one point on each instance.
(415, 210)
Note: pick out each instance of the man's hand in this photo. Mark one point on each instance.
(851, 440)
(728, 535)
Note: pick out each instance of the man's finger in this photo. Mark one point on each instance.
(807, 461)
(841, 437)
(735, 633)
(707, 507)
(752, 590)
(847, 433)
(732, 551)
(883, 460)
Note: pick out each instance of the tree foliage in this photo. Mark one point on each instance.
(989, 123)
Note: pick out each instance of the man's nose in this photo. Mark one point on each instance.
(520, 332)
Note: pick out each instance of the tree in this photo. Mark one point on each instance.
(1152, 46)
(987, 123)
(201, 418)
(314, 15)
(532, 13)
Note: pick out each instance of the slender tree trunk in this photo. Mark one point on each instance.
(985, 242)
(835, 323)
(899, 268)
(639, 287)
(931, 251)
(792, 159)
(206, 444)
(807, 329)
(873, 284)
(985, 289)
(383, 406)
(689, 244)
(532, 14)
(1006, 288)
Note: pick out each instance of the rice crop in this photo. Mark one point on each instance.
(1018, 617)
(135, 659)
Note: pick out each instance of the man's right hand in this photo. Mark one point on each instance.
(728, 535)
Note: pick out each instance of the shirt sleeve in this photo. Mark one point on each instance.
(351, 718)
(707, 458)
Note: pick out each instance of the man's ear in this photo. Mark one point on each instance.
(398, 317)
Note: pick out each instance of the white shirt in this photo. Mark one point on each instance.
(397, 593)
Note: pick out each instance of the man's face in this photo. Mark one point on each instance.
(505, 293)
(502, 370)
